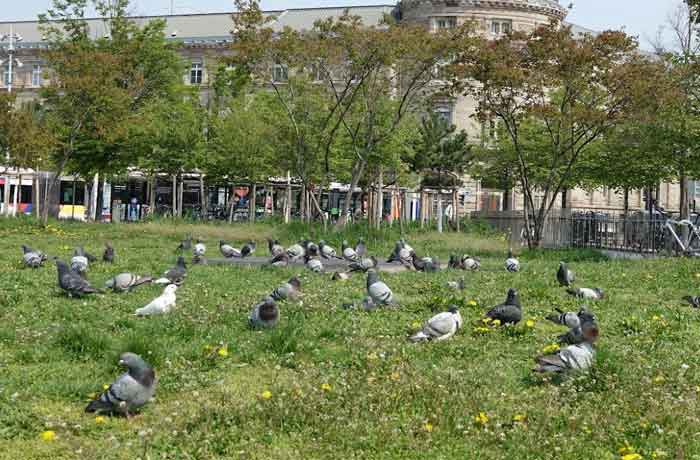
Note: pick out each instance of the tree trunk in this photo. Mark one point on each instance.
(180, 196)
(6, 196)
(230, 205)
(288, 204)
(455, 210)
(357, 171)
(37, 194)
(174, 211)
(202, 198)
(18, 194)
(423, 199)
(302, 203)
(152, 196)
(251, 202)
(93, 197)
(439, 214)
(380, 199)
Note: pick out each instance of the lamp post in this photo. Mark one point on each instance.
(12, 61)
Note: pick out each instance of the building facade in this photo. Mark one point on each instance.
(204, 38)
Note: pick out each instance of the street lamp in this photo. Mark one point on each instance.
(12, 61)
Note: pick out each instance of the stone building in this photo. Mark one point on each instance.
(203, 38)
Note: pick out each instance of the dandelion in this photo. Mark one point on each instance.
(481, 419)
(551, 348)
(530, 323)
(105, 387)
(100, 420)
(428, 427)
(481, 330)
(267, 394)
(518, 418)
(656, 318)
(395, 376)
(697, 275)
(659, 379)
(326, 387)
(48, 436)
(223, 352)
(472, 303)
(486, 320)
(632, 456)
(372, 357)
(415, 324)
(496, 322)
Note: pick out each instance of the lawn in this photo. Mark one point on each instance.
(330, 383)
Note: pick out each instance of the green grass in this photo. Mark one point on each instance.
(388, 399)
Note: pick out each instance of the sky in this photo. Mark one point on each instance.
(641, 18)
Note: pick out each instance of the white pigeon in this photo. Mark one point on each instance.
(349, 253)
(79, 264)
(315, 265)
(160, 305)
(296, 252)
(199, 249)
(587, 293)
(440, 327)
(378, 292)
(512, 264)
(471, 263)
(573, 357)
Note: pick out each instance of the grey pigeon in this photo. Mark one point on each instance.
(248, 249)
(199, 249)
(287, 290)
(573, 357)
(71, 282)
(296, 252)
(126, 282)
(130, 391)
(510, 311)
(108, 254)
(162, 304)
(440, 327)
(587, 293)
(395, 255)
(361, 248)
(405, 245)
(280, 260)
(470, 263)
(577, 333)
(186, 244)
(379, 293)
(349, 253)
(425, 264)
(264, 315)
(456, 285)
(228, 251)
(327, 252)
(314, 264)
(565, 276)
(79, 262)
(569, 319)
(512, 263)
(274, 247)
(694, 301)
(341, 276)
(32, 258)
(175, 275)
(363, 264)
(455, 263)
(311, 249)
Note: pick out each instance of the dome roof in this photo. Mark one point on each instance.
(548, 7)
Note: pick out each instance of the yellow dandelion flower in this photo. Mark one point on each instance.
(697, 275)
(395, 376)
(530, 323)
(326, 387)
(626, 449)
(481, 418)
(372, 356)
(519, 418)
(659, 379)
(223, 352)
(472, 303)
(481, 330)
(551, 348)
(105, 387)
(92, 395)
(656, 318)
(496, 322)
(267, 394)
(428, 427)
(416, 325)
(633, 456)
(100, 419)
(486, 320)
(48, 436)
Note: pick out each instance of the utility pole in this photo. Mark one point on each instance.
(12, 38)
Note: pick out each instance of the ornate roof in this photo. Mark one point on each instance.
(548, 7)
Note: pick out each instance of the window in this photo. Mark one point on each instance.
(196, 73)
(444, 112)
(37, 78)
(445, 23)
(67, 188)
(501, 26)
(280, 73)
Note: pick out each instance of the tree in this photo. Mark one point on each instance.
(568, 91)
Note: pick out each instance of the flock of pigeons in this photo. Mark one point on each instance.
(136, 387)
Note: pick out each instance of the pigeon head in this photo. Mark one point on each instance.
(251, 243)
(372, 277)
(170, 289)
(512, 297)
(221, 243)
(590, 331)
(510, 253)
(454, 309)
(110, 283)
(26, 249)
(600, 292)
(322, 243)
(132, 361)
(296, 282)
(181, 262)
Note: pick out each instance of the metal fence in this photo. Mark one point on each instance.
(636, 231)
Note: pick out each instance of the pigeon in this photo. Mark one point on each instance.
(395, 255)
(327, 252)
(512, 264)
(341, 276)
(311, 249)
(32, 258)
(576, 335)
(314, 264)
(280, 260)
(565, 276)
(471, 263)
(175, 275)
(569, 319)
(363, 264)
(126, 282)
(79, 262)
(199, 260)
(510, 311)
(228, 251)
(361, 248)
(573, 357)
(440, 327)
(287, 290)
(425, 264)
(587, 293)
(456, 285)
(349, 253)
(274, 247)
(455, 262)
(296, 252)
(130, 391)
(405, 245)
(80, 251)
(186, 244)
(199, 249)
(694, 301)
(248, 249)
(160, 305)
(108, 254)
(71, 282)
(378, 291)
(264, 315)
